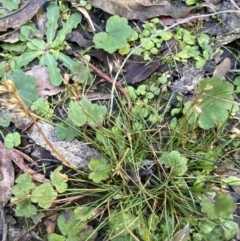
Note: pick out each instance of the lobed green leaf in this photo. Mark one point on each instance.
(53, 70)
(222, 207)
(59, 180)
(52, 23)
(12, 140)
(86, 112)
(25, 85)
(10, 4)
(175, 161)
(116, 35)
(65, 132)
(71, 23)
(100, 169)
(44, 195)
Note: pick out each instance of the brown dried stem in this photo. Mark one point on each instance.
(12, 90)
(105, 77)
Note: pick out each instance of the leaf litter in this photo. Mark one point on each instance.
(23, 15)
(7, 175)
(44, 86)
(132, 9)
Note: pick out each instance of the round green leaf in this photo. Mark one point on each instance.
(12, 140)
(116, 35)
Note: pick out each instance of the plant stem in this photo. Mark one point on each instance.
(106, 77)
(25, 109)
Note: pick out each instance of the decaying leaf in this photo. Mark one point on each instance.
(6, 175)
(77, 37)
(86, 15)
(132, 9)
(40, 20)
(183, 234)
(136, 72)
(23, 15)
(222, 69)
(18, 158)
(10, 37)
(167, 20)
(44, 86)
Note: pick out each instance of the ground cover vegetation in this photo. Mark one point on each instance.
(169, 163)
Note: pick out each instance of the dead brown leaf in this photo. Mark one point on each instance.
(167, 20)
(149, 3)
(10, 36)
(18, 158)
(44, 86)
(222, 69)
(77, 37)
(51, 223)
(132, 9)
(182, 234)
(22, 16)
(137, 72)
(7, 175)
(40, 20)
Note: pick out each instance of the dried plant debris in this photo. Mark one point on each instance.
(189, 80)
(77, 153)
(44, 86)
(21, 16)
(6, 175)
(132, 9)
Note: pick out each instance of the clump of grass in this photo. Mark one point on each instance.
(157, 180)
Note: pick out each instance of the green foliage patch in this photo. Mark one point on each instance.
(100, 170)
(49, 51)
(155, 180)
(27, 193)
(12, 140)
(25, 86)
(89, 113)
(9, 5)
(214, 104)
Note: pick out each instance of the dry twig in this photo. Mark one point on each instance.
(106, 77)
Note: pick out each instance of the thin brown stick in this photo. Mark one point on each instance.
(105, 76)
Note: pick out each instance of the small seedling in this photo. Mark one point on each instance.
(198, 48)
